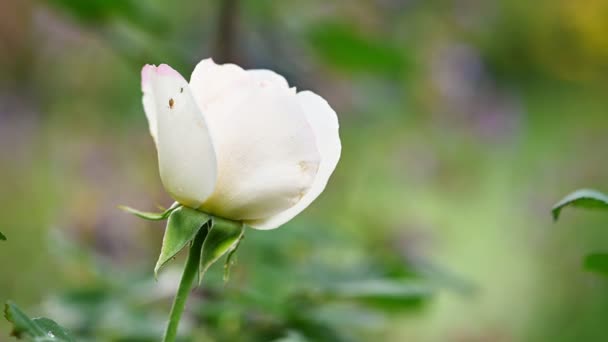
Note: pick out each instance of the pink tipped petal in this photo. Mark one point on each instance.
(324, 122)
(165, 70)
(146, 72)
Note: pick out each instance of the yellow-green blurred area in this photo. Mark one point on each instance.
(462, 122)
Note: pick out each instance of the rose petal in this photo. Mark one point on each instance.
(268, 78)
(324, 122)
(210, 81)
(266, 150)
(148, 98)
(186, 155)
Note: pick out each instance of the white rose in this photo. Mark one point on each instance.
(240, 144)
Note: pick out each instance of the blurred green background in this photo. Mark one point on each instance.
(462, 122)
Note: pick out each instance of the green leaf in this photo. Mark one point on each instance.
(583, 198)
(597, 262)
(55, 332)
(182, 226)
(223, 237)
(149, 215)
(22, 324)
(37, 329)
(2, 237)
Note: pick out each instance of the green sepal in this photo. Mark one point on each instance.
(230, 259)
(223, 237)
(584, 198)
(37, 329)
(150, 215)
(2, 237)
(182, 227)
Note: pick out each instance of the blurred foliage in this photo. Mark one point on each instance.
(597, 262)
(343, 48)
(130, 306)
(588, 199)
(37, 329)
(461, 122)
(100, 12)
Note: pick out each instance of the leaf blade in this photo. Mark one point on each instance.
(58, 332)
(583, 198)
(2, 237)
(22, 324)
(182, 227)
(37, 329)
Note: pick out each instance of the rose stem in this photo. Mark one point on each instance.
(190, 271)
